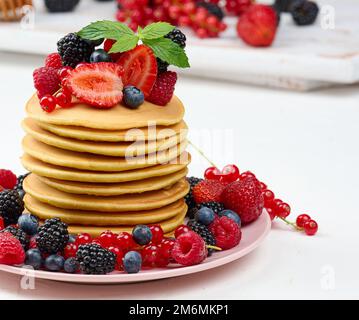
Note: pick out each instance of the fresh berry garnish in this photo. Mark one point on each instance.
(48, 103)
(204, 232)
(74, 50)
(212, 173)
(177, 36)
(257, 26)
(142, 234)
(119, 256)
(231, 215)
(208, 190)
(61, 6)
(83, 238)
(181, 229)
(98, 84)
(8, 179)
(54, 262)
(283, 210)
(163, 88)
(53, 60)
(268, 197)
(140, 68)
(212, 8)
(245, 198)
(33, 243)
(28, 223)
(157, 234)
(100, 55)
(133, 97)
(64, 72)
(11, 250)
(70, 250)
(107, 45)
(107, 239)
(46, 80)
(2, 224)
(215, 206)
(164, 253)
(64, 99)
(33, 258)
(237, 7)
(302, 219)
(230, 173)
(304, 12)
(247, 174)
(132, 262)
(11, 206)
(18, 234)
(71, 265)
(205, 216)
(125, 241)
(193, 181)
(226, 232)
(189, 249)
(310, 227)
(150, 255)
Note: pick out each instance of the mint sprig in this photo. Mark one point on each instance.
(152, 36)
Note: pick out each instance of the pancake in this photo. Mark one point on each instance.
(116, 118)
(168, 226)
(118, 149)
(110, 189)
(92, 218)
(137, 134)
(129, 202)
(86, 161)
(51, 171)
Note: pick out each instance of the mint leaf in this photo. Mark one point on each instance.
(168, 51)
(155, 30)
(124, 43)
(104, 29)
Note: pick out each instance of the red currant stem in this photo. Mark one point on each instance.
(293, 224)
(202, 154)
(214, 248)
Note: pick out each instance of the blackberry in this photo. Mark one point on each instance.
(212, 8)
(93, 259)
(217, 207)
(52, 236)
(177, 36)
(304, 12)
(18, 187)
(203, 231)
(11, 206)
(193, 181)
(18, 234)
(74, 50)
(61, 5)
(161, 65)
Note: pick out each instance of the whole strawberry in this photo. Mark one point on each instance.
(245, 198)
(208, 191)
(258, 25)
(163, 88)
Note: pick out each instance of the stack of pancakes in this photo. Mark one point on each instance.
(107, 169)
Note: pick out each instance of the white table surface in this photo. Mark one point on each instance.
(304, 145)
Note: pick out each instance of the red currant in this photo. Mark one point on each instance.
(263, 185)
(310, 227)
(70, 250)
(202, 33)
(246, 175)
(119, 256)
(83, 238)
(64, 72)
(33, 243)
(283, 210)
(302, 219)
(212, 173)
(181, 229)
(268, 196)
(64, 99)
(48, 103)
(107, 238)
(271, 213)
(230, 173)
(164, 254)
(157, 234)
(125, 241)
(149, 255)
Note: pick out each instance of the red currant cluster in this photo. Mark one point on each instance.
(237, 7)
(275, 207)
(184, 13)
(62, 97)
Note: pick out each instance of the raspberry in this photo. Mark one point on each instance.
(46, 81)
(189, 249)
(163, 88)
(226, 232)
(11, 250)
(8, 179)
(53, 60)
(208, 191)
(19, 235)
(245, 198)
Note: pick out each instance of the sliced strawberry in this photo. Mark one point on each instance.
(140, 68)
(98, 84)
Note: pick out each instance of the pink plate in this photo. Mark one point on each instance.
(252, 237)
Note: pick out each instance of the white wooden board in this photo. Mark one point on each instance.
(301, 58)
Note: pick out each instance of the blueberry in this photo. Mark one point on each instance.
(100, 55)
(28, 223)
(133, 97)
(21, 193)
(205, 216)
(142, 234)
(71, 265)
(132, 262)
(72, 238)
(54, 262)
(33, 258)
(231, 215)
